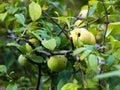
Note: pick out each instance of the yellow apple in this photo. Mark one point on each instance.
(83, 13)
(57, 63)
(82, 35)
(77, 23)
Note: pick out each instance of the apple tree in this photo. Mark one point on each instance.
(60, 49)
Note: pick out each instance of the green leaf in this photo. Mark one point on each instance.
(108, 74)
(20, 18)
(3, 69)
(64, 19)
(21, 48)
(117, 66)
(85, 54)
(114, 17)
(70, 86)
(12, 87)
(49, 44)
(36, 35)
(3, 16)
(93, 62)
(78, 51)
(35, 11)
(110, 60)
(61, 83)
(2, 6)
(117, 53)
(113, 28)
(114, 42)
(92, 9)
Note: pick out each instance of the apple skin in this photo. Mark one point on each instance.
(34, 41)
(77, 23)
(81, 35)
(83, 13)
(57, 63)
(23, 60)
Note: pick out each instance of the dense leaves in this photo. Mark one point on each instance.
(39, 29)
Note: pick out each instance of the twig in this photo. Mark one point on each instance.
(62, 30)
(104, 40)
(56, 24)
(106, 22)
(82, 73)
(51, 85)
(31, 61)
(39, 52)
(39, 77)
(87, 16)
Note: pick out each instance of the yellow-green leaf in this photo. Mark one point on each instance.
(35, 11)
(113, 28)
(71, 86)
(49, 44)
(3, 16)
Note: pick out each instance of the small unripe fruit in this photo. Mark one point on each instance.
(79, 35)
(57, 63)
(28, 47)
(23, 60)
(33, 41)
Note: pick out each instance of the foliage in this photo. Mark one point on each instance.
(50, 23)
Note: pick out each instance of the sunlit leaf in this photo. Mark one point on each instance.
(117, 53)
(114, 17)
(64, 19)
(108, 74)
(49, 44)
(71, 86)
(21, 48)
(78, 51)
(3, 69)
(113, 28)
(85, 54)
(45, 7)
(117, 66)
(20, 18)
(3, 16)
(114, 42)
(12, 87)
(92, 9)
(93, 62)
(36, 35)
(35, 11)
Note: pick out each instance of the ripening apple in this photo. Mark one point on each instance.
(34, 41)
(23, 60)
(79, 23)
(83, 13)
(57, 63)
(81, 35)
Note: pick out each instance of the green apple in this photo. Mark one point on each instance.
(34, 41)
(23, 60)
(57, 63)
(81, 35)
